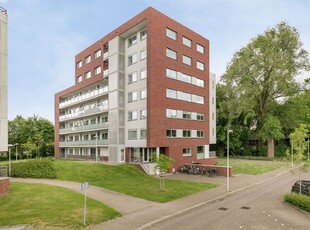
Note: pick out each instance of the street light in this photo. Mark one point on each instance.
(16, 150)
(292, 152)
(227, 170)
(9, 145)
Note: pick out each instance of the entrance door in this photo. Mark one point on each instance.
(93, 153)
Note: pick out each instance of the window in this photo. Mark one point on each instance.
(132, 115)
(199, 100)
(79, 64)
(143, 35)
(200, 149)
(104, 136)
(187, 42)
(186, 78)
(171, 73)
(200, 82)
(133, 40)
(87, 59)
(132, 134)
(104, 119)
(143, 74)
(200, 133)
(79, 79)
(171, 53)
(143, 114)
(143, 94)
(171, 34)
(187, 60)
(93, 121)
(200, 117)
(200, 48)
(132, 59)
(187, 152)
(170, 93)
(200, 65)
(171, 133)
(184, 96)
(142, 54)
(143, 133)
(88, 75)
(85, 137)
(97, 70)
(212, 116)
(187, 115)
(98, 53)
(171, 113)
(132, 77)
(186, 133)
(132, 96)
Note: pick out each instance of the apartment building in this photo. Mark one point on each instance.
(3, 80)
(145, 87)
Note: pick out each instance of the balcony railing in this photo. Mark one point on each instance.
(106, 55)
(84, 128)
(86, 96)
(82, 143)
(83, 113)
(105, 72)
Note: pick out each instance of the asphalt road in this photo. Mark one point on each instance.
(260, 207)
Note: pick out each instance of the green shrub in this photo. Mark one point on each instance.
(35, 168)
(300, 201)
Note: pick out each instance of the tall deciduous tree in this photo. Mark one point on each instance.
(263, 72)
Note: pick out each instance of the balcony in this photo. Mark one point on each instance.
(91, 143)
(105, 55)
(84, 128)
(105, 72)
(84, 113)
(84, 97)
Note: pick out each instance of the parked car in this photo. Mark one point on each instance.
(305, 187)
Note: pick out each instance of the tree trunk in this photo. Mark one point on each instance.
(270, 148)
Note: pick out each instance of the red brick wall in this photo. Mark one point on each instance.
(4, 185)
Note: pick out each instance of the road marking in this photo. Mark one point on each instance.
(283, 225)
(240, 226)
(275, 220)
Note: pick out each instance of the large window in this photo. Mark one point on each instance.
(200, 65)
(187, 152)
(170, 93)
(143, 35)
(171, 113)
(88, 75)
(79, 79)
(200, 48)
(187, 42)
(143, 94)
(132, 59)
(143, 134)
(171, 53)
(187, 133)
(87, 59)
(171, 34)
(171, 133)
(200, 133)
(143, 114)
(143, 74)
(79, 64)
(132, 134)
(132, 77)
(132, 96)
(132, 40)
(142, 54)
(98, 53)
(132, 115)
(171, 73)
(97, 70)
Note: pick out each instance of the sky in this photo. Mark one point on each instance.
(45, 35)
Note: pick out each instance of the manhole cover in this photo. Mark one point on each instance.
(246, 208)
(223, 209)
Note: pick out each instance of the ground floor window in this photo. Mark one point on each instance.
(200, 152)
(187, 152)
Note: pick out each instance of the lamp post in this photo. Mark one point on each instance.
(308, 146)
(292, 152)
(16, 150)
(9, 145)
(227, 170)
(96, 148)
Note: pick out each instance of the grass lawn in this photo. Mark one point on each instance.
(127, 179)
(44, 205)
(252, 167)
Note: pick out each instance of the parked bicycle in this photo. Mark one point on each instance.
(212, 172)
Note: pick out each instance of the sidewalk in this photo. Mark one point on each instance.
(139, 213)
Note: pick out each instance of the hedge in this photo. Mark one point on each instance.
(300, 201)
(35, 168)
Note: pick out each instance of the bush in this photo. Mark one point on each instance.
(35, 168)
(300, 201)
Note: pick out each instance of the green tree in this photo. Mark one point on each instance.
(263, 72)
(163, 164)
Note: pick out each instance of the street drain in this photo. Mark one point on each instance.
(246, 208)
(223, 209)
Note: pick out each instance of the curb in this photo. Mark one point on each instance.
(297, 208)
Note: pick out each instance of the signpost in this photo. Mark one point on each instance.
(84, 186)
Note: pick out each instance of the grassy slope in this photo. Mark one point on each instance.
(44, 205)
(127, 179)
(252, 167)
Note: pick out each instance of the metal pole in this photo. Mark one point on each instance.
(308, 146)
(9, 161)
(227, 169)
(84, 206)
(292, 151)
(16, 150)
(96, 149)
